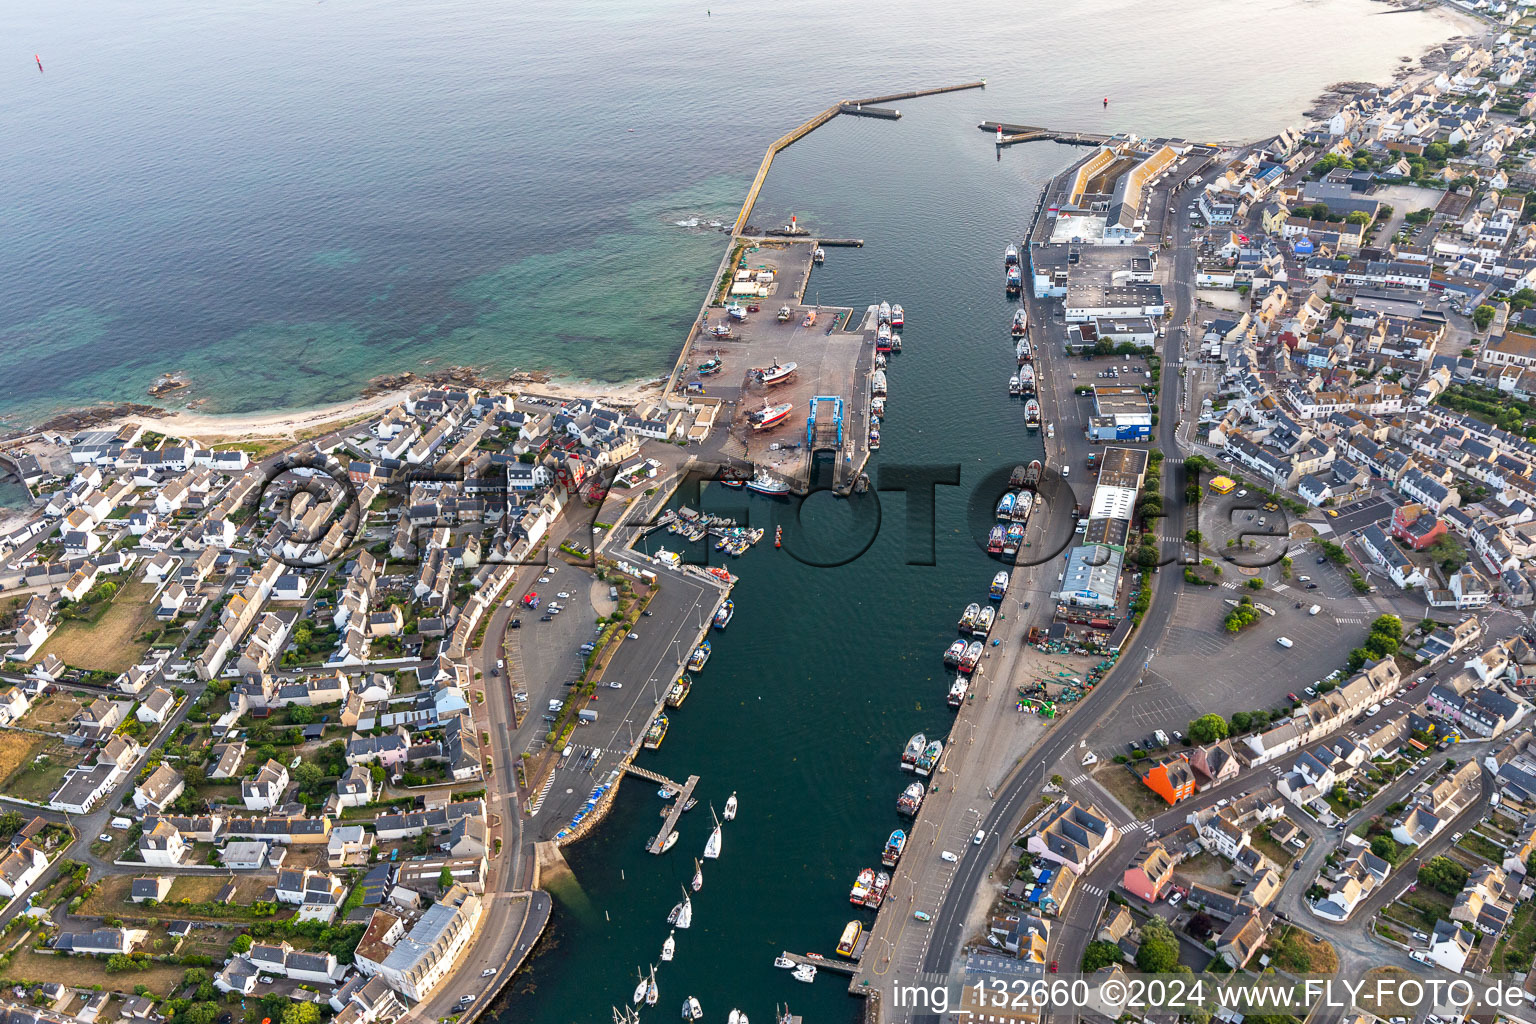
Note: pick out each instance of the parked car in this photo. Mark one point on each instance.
(1174, 898)
(945, 855)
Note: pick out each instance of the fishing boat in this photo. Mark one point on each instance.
(656, 733)
(849, 943)
(778, 536)
(1023, 352)
(968, 617)
(1014, 387)
(972, 657)
(910, 800)
(720, 330)
(1027, 379)
(698, 876)
(877, 382)
(883, 338)
(1011, 255)
(819, 256)
(930, 759)
(729, 814)
(877, 406)
(712, 845)
(804, 972)
(669, 842)
(769, 416)
(1020, 322)
(1005, 505)
(1013, 539)
(651, 991)
(985, 619)
(640, 988)
(957, 692)
(810, 318)
(874, 439)
(785, 313)
(1032, 414)
(723, 616)
(999, 586)
(878, 890)
(1016, 478)
(914, 750)
(995, 540)
(1015, 279)
(883, 314)
(898, 316)
(736, 311)
(778, 373)
(783, 961)
(893, 847)
(709, 366)
(679, 691)
(700, 656)
(862, 886)
(682, 914)
(1033, 474)
(764, 482)
(691, 1009)
(1023, 506)
(669, 948)
(953, 654)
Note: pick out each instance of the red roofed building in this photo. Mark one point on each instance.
(1416, 526)
(1173, 779)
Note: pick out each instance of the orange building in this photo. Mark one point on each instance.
(1172, 779)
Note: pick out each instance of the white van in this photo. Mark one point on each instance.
(945, 855)
(1066, 471)
(1314, 609)
(1285, 642)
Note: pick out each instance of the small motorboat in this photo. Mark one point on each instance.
(669, 948)
(736, 311)
(804, 972)
(665, 793)
(785, 962)
(730, 807)
(737, 1017)
(691, 1010)
(785, 313)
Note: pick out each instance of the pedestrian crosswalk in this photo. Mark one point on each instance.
(1078, 780)
(1276, 770)
(1229, 585)
(1352, 619)
(1132, 826)
(538, 801)
(1282, 586)
(1092, 890)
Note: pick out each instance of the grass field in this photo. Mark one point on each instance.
(52, 713)
(109, 644)
(36, 781)
(16, 750)
(28, 965)
(111, 896)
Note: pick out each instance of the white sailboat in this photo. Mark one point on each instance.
(682, 913)
(698, 875)
(712, 847)
(730, 807)
(650, 988)
(640, 988)
(669, 948)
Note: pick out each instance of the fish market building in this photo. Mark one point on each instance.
(1092, 577)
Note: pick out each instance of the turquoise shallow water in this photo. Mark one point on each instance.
(284, 200)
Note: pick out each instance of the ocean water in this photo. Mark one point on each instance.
(285, 199)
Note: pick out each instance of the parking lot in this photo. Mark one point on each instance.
(549, 650)
(1357, 515)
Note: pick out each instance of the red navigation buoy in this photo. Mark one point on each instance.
(1106, 101)
(39, 61)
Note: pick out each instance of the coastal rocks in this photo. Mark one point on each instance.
(79, 419)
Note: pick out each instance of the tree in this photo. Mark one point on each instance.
(1358, 217)
(1208, 729)
(1482, 316)
(242, 944)
(1241, 721)
(445, 879)
(309, 776)
(301, 1013)
(1448, 552)
(1159, 952)
(1100, 954)
(1436, 152)
(1443, 875)
(298, 714)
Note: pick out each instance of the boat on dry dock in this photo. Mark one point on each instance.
(914, 750)
(953, 655)
(778, 373)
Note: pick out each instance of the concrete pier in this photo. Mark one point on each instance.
(1016, 133)
(859, 110)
